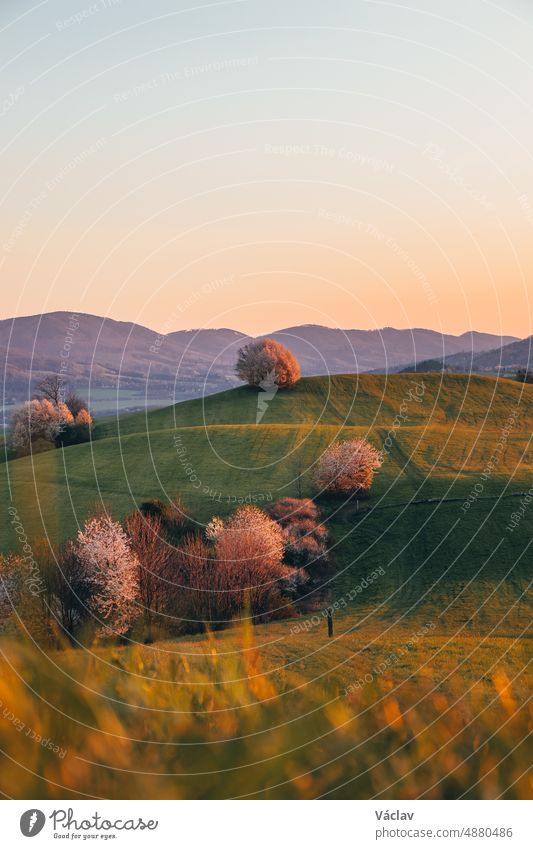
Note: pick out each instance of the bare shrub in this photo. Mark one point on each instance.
(154, 560)
(288, 510)
(173, 516)
(304, 535)
(51, 388)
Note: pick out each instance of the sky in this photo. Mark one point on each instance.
(261, 165)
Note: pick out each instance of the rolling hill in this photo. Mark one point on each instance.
(506, 358)
(211, 453)
(422, 692)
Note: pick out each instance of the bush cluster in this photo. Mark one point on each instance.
(155, 575)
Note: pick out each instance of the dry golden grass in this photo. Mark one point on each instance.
(250, 713)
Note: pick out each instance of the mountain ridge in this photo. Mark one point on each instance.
(106, 352)
(506, 358)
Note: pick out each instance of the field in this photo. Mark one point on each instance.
(423, 691)
(272, 714)
(211, 452)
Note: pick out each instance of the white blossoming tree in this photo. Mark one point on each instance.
(248, 562)
(111, 571)
(214, 528)
(347, 467)
(38, 419)
(252, 529)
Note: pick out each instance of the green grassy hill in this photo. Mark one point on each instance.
(211, 453)
(422, 692)
(357, 400)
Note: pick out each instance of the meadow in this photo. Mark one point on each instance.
(424, 689)
(210, 452)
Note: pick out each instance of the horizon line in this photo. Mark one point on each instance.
(246, 334)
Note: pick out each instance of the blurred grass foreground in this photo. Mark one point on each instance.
(221, 717)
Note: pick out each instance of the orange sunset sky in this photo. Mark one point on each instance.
(253, 165)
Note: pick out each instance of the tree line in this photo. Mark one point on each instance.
(154, 575)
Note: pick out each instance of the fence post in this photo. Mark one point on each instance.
(330, 621)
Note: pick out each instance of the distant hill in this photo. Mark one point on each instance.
(322, 350)
(506, 358)
(109, 353)
(190, 363)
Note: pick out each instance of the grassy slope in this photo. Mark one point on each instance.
(440, 451)
(464, 573)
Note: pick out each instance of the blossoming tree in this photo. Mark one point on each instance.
(347, 467)
(111, 572)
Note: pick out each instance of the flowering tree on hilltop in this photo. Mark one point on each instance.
(111, 572)
(266, 361)
(347, 467)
